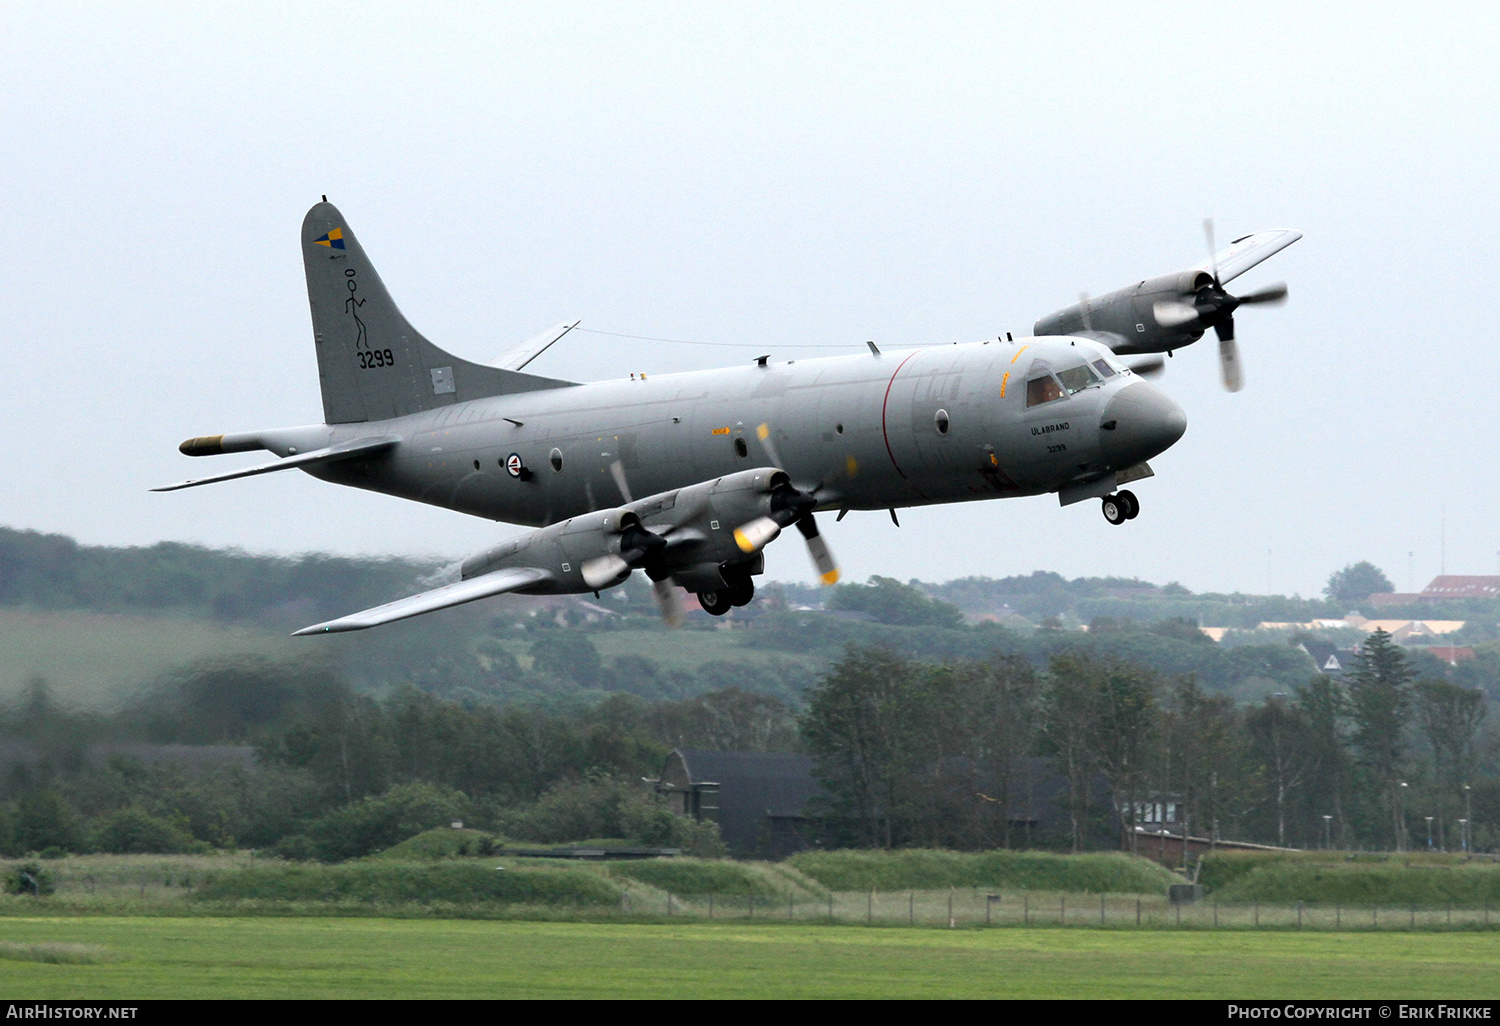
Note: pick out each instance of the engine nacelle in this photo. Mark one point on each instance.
(587, 553)
(700, 523)
(1125, 320)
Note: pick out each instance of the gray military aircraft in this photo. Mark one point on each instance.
(689, 476)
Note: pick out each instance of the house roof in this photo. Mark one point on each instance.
(1463, 586)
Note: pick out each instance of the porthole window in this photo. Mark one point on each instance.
(940, 421)
(740, 448)
(476, 464)
(555, 458)
(839, 428)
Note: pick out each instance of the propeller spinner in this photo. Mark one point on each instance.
(1213, 307)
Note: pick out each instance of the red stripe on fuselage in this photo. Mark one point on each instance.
(885, 434)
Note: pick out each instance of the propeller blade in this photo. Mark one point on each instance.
(1229, 361)
(1083, 308)
(764, 434)
(604, 571)
(668, 600)
(1170, 313)
(1213, 251)
(1147, 366)
(1224, 328)
(756, 535)
(617, 471)
(823, 561)
(1270, 294)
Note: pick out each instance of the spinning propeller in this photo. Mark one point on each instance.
(1212, 307)
(789, 506)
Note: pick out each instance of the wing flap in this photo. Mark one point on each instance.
(485, 586)
(342, 451)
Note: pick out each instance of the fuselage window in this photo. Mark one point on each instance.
(1076, 379)
(1044, 389)
(740, 448)
(940, 421)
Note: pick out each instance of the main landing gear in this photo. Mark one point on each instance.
(738, 592)
(1121, 506)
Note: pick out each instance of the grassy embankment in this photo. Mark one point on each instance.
(428, 877)
(384, 958)
(1353, 879)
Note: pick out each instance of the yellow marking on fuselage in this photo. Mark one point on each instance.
(1023, 349)
(1003, 382)
(721, 431)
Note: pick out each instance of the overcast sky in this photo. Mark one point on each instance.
(771, 174)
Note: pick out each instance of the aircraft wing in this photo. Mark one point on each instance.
(483, 586)
(1247, 251)
(342, 451)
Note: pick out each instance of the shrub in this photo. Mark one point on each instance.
(376, 823)
(29, 878)
(603, 806)
(134, 831)
(45, 819)
(440, 843)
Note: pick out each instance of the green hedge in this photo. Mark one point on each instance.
(462, 883)
(921, 869)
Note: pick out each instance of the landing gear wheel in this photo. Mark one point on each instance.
(740, 592)
(1115, 510)
(714, 603)
(1132, 504)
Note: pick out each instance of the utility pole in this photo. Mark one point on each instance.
(1401, 819)
(1327, 832)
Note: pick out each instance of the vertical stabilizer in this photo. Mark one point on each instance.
(372, 363)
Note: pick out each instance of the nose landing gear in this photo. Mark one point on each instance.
(1120, 507)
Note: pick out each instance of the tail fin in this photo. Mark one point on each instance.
(372, 363)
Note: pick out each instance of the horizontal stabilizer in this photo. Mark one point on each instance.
(342, 451)
(497, 583)
(535, 346)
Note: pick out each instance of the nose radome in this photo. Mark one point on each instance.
(1138, 423)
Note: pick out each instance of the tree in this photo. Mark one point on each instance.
(1280, 735)
(994, 721)
(868, 727)
(1204, 744)
(568, 656)
(1325, 706)
(1357, 582)
(887, 600)
(1100, 716)
(1450, 717)
(1379, 699)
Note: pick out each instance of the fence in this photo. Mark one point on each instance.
(978, 907)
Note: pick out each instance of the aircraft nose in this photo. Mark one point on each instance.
(1138, 423)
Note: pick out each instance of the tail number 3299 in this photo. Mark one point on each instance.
(369, 359)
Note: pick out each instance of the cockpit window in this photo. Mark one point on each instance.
(1043, 389)
(1076, 379)
(1102, 366)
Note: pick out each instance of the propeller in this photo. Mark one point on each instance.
(639, 548)
(1212, 307)
(789, 506)
(669, 600)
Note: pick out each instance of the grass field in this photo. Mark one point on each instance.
(96, 660)
(382, 958)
